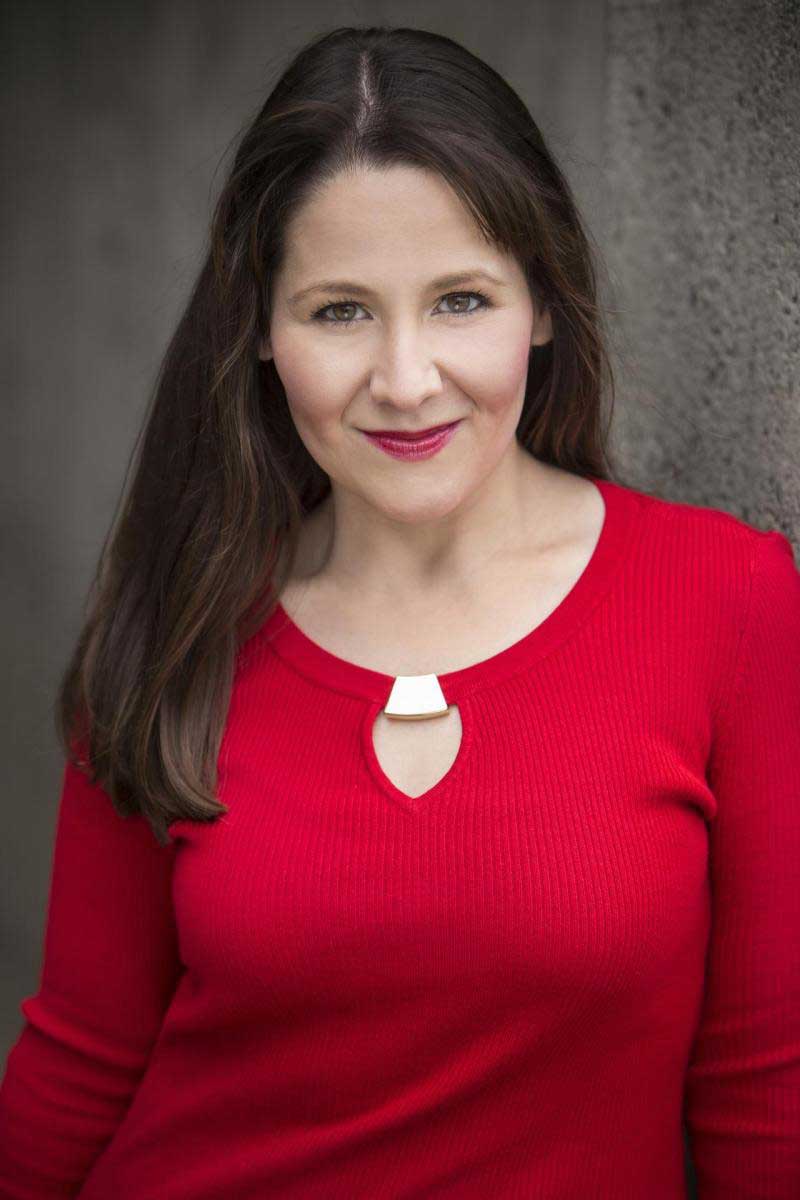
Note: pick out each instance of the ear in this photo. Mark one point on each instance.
(542, 328)
(264, 349)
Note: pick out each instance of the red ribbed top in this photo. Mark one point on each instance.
(518, 984)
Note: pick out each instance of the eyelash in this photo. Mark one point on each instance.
(485, 303)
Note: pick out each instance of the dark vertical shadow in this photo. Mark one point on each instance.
(691, 1181)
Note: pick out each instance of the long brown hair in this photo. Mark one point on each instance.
(205, 538)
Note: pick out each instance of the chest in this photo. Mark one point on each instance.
(568, 851)
(434, 637)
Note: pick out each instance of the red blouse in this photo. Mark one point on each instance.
(521, 983)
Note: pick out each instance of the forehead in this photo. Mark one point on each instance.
(404, 216)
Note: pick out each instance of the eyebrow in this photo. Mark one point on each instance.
(357, 289)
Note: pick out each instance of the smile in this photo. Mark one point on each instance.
(424, 446)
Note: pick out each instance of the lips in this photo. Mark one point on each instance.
(398, 435)
(415, 448)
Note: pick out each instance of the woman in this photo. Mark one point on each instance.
(461, 779)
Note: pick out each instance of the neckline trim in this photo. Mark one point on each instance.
(314, 662)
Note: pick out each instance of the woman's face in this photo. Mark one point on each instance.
(388, 347)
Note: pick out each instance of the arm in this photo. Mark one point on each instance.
(742, 1098)
(110, 966)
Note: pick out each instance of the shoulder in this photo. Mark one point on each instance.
(712, 540)
(734, 580)
(701, 565)
(722, 591)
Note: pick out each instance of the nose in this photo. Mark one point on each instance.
(404, 372)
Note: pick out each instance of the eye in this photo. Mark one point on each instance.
(319, 315)
(483, 302)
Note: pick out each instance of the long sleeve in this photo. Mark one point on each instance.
(110, 966)
(742, 1096)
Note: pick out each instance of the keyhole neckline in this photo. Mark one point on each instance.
(310, 659)
(439, 790)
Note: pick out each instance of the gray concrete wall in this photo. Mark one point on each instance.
(702, 163)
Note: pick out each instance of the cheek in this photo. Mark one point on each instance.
(315, 388)
(493, 366)
(511, 348)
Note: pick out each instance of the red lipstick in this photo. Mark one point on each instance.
(412, 446)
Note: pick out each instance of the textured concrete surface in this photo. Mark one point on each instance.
(702, 128)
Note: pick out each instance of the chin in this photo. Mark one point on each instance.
(415, 504)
